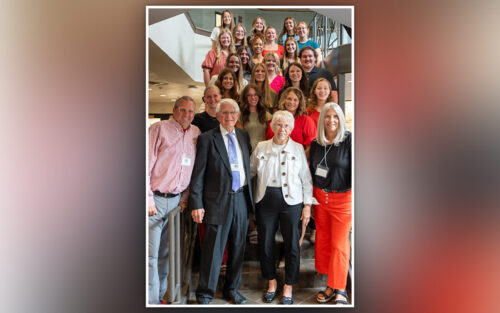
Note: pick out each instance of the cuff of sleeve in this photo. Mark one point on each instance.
(151, 201)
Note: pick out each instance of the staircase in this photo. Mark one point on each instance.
(253, 285)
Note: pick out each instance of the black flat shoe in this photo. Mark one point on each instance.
(269, 296)
(287, 300)
(236, 298)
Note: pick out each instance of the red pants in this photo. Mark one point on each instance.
(333, 218)
(201, 234)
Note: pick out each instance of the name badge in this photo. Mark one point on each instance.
(235, 167)
(321, 171)
(186, 161)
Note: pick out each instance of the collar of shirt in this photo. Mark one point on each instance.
(224, 132)
(288, 147)
(178, 126)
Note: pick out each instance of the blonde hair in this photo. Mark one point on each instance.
(218, 48)
(276, 58)
(253, 32)
(244, 40)
(268, 28)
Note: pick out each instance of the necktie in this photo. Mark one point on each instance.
(233, 159)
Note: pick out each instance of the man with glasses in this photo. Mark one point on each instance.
(221, 198)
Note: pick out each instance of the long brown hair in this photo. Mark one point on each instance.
(266, 98)
(304, 81)
(231, 25)
(296, 53)
(245, 106)
(313, 99)
(233, 92)
(302, 103)
(284, 31)
(239, 75)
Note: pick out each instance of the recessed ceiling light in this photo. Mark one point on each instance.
(150, 88)
(163, 95)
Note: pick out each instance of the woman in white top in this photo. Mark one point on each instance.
(283, 195)
(227, 23)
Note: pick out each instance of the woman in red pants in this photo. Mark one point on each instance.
(330, 165)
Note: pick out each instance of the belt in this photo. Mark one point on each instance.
(165, 195)
(336, 191)
(238, 191)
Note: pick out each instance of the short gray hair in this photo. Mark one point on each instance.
(230, 101)
(282, 115)
(342, 128)
(185, 98)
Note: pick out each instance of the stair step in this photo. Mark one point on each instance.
(251, 277)
(306, 250)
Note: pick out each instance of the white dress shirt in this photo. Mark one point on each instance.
(224, 133)
(291, 163)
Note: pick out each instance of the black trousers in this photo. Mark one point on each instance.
(233, 231)
(269, 211)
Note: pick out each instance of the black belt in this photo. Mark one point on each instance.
(241, 189)
(165, 195)
(336, 191)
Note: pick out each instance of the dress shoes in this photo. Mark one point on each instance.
(287, 300)
(203, 300)
(235, 297)
(269, 296)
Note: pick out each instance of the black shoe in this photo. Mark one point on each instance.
(269, 296)
(203, 300)
(287, 300)
(235, 297)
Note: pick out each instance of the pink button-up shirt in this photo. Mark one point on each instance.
(169, 144)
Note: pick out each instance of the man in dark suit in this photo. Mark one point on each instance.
(221, 198)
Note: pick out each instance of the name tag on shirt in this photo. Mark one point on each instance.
(235, 167)
(321, 171)
(186, 161)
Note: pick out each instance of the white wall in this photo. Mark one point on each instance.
(178, 40)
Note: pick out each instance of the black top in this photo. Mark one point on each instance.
(204, 121)
(316, 73)
(338, 161)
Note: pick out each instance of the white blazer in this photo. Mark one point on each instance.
(296, 183)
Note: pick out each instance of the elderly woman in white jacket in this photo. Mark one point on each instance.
(283, 195)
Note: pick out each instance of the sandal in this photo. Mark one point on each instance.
(342, 293)
(326, 297)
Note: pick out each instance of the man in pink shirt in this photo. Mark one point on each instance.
(172, 149)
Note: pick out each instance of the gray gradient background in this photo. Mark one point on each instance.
(72, 163)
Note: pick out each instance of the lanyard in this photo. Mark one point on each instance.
(324, 158)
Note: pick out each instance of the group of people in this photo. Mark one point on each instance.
(256, 150)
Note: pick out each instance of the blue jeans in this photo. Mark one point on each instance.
(158, 248)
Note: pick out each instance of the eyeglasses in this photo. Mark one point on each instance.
(229, 113)
(252, 95)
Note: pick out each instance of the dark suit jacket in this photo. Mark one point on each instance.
(211, 179)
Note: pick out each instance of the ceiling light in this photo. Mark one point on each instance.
(163, 95)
